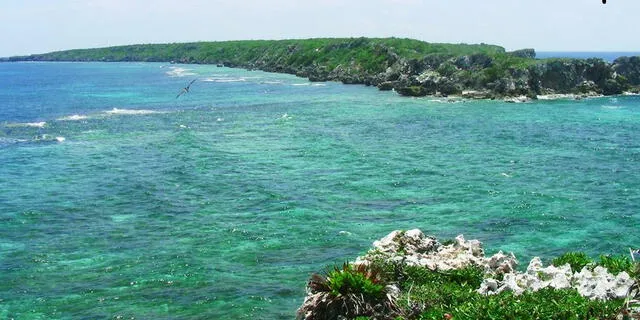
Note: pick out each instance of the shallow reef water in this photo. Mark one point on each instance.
(119, 199)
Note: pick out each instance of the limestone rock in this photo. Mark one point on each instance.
(596, 284)
(415, 249)
(518, 99)
(476, 94)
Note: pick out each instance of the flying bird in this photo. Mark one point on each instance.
(185, 89)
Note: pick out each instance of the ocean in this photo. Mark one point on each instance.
(119, 200)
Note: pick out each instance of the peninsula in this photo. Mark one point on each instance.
(410, 67)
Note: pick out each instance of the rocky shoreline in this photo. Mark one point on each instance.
(466, 77)
(409, 67)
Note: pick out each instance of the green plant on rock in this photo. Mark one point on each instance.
(616, 264)
(577, 260)
(351, 291)
(352, 279)
(471, 276)
(437, 293)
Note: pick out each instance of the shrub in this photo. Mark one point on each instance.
(577, 260)
(355, 279)
(349, 291)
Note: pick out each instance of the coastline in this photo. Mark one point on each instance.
(409, 67)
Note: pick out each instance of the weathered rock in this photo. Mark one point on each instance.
(386, 86)
(587, 87)
(611, 87)
(518, 99)
(415, 249)
(448, 87)
(524, 53)
(412, 91)
(629, 67)
(596, 284)
(477, 94)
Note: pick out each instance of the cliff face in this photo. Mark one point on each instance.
(486, 78)
(410, 67)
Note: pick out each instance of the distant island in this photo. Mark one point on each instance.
(410, 67)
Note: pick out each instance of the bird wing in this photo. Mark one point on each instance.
(181, 93)
(190, 83)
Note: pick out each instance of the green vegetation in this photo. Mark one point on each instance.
(352, 291)
(427, 294)
(543, 304)
(577, 260)
(432, 295)
(354, 280)
(617, 264)
(614, 264)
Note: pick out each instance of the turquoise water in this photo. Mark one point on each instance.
(129, 202)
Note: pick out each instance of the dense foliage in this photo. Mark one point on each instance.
(372, 55)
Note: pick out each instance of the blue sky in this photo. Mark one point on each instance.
(38, 26)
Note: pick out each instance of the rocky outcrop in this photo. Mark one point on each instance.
(629, 68)
(524, 53)
(415, 249)
(596, 283)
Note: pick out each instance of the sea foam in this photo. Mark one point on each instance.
(75, 117)
(28, 124)
(116, 111)
(179, 72)
(224, 80)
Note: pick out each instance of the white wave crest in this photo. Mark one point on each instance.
(179, 72)
(224, 79)
(116, 111)
(75, 117)
(6, 141)
(27, 124)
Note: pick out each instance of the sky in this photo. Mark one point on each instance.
(39, 26)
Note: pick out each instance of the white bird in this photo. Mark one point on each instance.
(185, 89)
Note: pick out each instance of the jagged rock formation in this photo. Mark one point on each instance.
(415, 249)
(594, 284)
